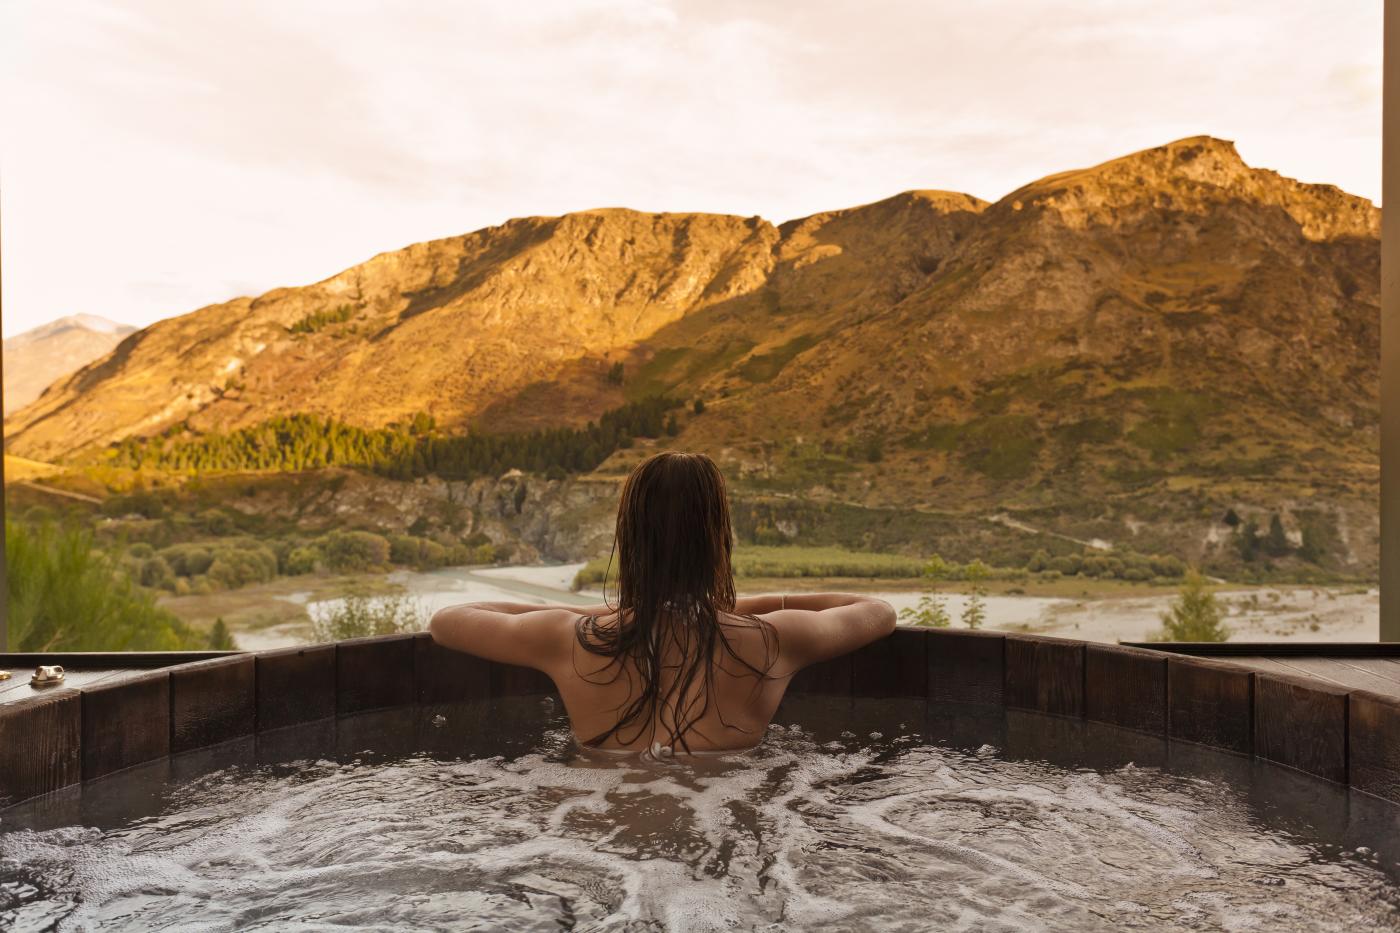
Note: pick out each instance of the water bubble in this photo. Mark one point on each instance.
(439, 721)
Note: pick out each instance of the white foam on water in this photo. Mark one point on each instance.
(800, 833)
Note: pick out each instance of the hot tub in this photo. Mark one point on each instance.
(937, 779)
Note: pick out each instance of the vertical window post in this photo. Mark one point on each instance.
(1390, 326)
(4, 570)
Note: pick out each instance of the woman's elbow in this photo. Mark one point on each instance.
(438, 628)
(888, 618)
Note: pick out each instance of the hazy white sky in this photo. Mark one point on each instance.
(158, 155)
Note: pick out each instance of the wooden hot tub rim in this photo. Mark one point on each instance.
(68, 735)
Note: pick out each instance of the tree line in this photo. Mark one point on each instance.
(406, 450)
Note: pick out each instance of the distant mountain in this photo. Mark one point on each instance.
(1134, 344)
(35, 358)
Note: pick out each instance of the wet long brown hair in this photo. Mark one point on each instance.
(673, 544)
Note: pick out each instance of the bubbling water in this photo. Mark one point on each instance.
(841, 833)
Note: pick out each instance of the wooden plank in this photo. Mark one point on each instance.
(107, 660)
(447, 676)
(374, 673)
(1352, 674)
(1126, 687)
(18, 688)
(1045, 674)
(1343, 674)
(1374, 744)
(295, 686)
(1301, 722)
(828, 678)
(896, 666)
(125, 722)
(1211, 703)
(1381, 667)
(39, 745)
(211, 702)
(966, 666)
(1263, 664)
(1272, 649)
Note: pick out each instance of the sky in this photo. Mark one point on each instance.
(161, 155)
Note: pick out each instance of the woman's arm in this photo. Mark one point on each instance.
(816, 602)
(517, 608)
(816, 627)
(532, 636)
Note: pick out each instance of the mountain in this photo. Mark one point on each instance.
(36, 358)
(1118, 351)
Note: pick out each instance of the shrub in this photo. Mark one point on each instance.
(302, 560)
(156, 573)
(216, 522)
(318, 320)
(358, 616)
(63, 595)
(145, 504)
(188, 560)
(355, 551)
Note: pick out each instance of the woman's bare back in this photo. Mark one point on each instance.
(738, 699)
(744, 688)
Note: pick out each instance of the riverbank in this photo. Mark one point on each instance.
(279, 614)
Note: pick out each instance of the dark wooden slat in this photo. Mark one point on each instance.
(1301, 722)
(39, 743)
(1374, 744)
(511, 680)
(896, 666)
(211, 702)
(125, 722)
(966, 666)
(829, 678)
(1126, 687)
(447, 676)
(1210, 703)
(374, 673)
(1045, 674)
(295, 686)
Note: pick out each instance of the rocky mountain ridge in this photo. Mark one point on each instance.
(1141, 341)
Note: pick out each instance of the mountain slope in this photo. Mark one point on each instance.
(1133, 342)
(37, 357)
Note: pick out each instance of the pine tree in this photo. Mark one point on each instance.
(1195, 615)
(975, 612)
(1247, 540)
(1276, 543)
(219, 637)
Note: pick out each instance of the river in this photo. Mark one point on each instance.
(1275, 614)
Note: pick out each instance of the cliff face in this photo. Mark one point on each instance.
(1170, 320)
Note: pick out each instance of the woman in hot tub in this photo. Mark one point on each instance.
(678, 665)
